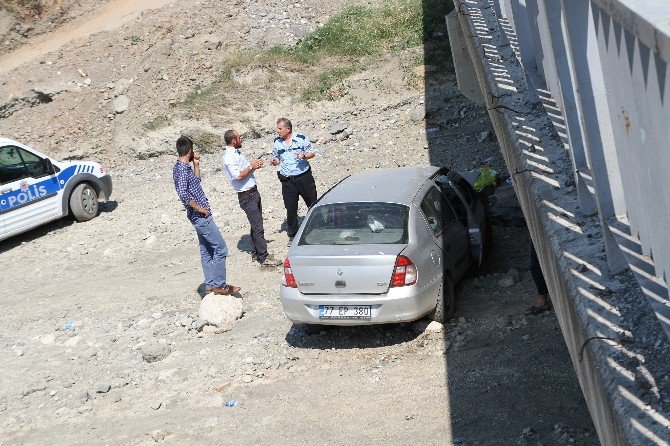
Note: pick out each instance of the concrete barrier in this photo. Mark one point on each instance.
(618, 346)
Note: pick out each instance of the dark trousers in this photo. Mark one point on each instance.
(293, 188)
(251, 205)
(536, 272)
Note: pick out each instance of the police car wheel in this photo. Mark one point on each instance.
(84, 202)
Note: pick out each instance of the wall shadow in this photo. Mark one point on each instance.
(512, 381)
(605, 319)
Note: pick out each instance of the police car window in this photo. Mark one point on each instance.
(12, 167)
(34, 164)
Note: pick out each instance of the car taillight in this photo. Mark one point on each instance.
(288, 280)
(404, 272)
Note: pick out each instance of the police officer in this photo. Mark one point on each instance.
(291, 152)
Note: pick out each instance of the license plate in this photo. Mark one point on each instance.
(345, 312)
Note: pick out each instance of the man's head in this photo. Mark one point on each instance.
(184, 146)
(233, 139)
(284, 128)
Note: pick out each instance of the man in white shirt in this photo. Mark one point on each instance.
(241, 175)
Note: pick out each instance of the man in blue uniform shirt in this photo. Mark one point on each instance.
(291, 152)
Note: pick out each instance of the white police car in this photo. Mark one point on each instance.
(35, 189)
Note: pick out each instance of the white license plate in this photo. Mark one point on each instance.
(345, 312)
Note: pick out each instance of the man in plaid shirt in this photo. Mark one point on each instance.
(213, 249)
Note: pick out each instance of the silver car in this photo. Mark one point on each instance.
(385, 246)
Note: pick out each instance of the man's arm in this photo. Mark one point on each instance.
(255, 164)
(196, 164)
(181, 184)
(198, 208)
(307, 149)
(275, 155)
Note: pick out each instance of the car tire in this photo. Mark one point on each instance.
(446, 301)
(84, 202)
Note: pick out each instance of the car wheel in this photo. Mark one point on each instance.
(84, 202)
(446, 301)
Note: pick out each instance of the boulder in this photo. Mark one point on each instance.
(337, 127)
(120, 104)
(220, 311)
(155, 352)
(419, 113)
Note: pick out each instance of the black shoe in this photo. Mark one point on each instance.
(270, 260)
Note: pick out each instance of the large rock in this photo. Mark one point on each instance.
(120, 104)
(220, 311)
(337, 127)
(419, 113)
(155, 352)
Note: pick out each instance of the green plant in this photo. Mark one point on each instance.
(134, 40)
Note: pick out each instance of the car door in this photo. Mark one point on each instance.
(3, 206)
(29, 189)
(469, 209)
(450, 235)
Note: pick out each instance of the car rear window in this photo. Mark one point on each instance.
(356, 224)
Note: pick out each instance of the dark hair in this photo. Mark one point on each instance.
(286, 122)
(229, 136)
(184, 145)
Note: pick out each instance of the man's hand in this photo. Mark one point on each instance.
(300, 155)
(274, 161)
(204, 212)
(257, 164)
(196, 157)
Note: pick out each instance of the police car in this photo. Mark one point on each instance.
(36, 189)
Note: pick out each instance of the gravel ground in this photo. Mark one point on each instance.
(100, 339)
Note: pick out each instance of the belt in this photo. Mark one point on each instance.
(291, 177)
(247, 192)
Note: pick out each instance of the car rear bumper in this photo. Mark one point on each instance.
(397, 305)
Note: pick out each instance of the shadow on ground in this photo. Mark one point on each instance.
(324, 337)
(510, 379)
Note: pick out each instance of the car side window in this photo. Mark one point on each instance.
(437, 211)
(453, 198)
(12, 167)
(35, 165)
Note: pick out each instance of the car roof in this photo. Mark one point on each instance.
(395, 185)
(6, 141)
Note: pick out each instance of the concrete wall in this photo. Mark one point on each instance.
(626, 378)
